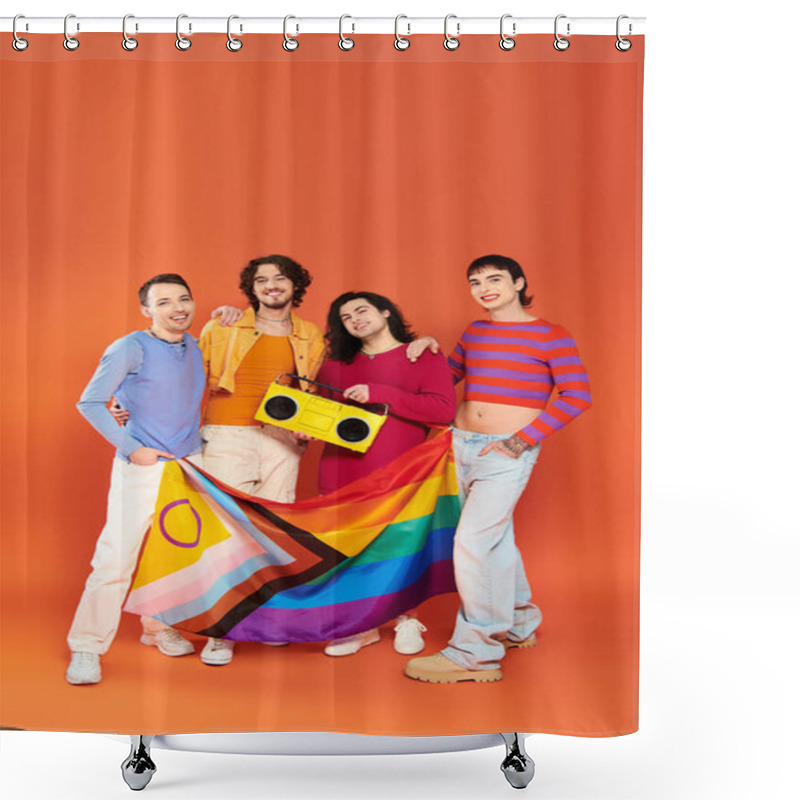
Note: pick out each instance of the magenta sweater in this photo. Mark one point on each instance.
(418, 395)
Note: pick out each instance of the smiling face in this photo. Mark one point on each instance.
(272, 288)
(495, 289)
(362, 320)
(171, 308)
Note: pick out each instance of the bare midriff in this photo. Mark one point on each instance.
(479, 417)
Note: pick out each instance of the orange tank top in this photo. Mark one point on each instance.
(265, 360)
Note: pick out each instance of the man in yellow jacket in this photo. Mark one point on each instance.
(241, 360)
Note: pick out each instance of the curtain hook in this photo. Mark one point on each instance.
(70, 42)
(623, 45)
(18, 43)
(128, 42)
(507, 42)
(233, 44)
(290, 44)
(345, 42)
(400, 42)
(181, 42)
(451, 42)
(560, 43)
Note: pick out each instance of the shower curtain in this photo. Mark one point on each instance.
(378, 170)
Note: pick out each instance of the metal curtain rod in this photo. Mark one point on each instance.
(514, 26)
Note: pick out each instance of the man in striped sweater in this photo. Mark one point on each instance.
(511, 364)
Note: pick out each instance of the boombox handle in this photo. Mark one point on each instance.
(330, 388)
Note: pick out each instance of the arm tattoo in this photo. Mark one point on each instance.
(515, 445)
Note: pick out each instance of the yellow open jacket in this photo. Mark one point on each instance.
(224, 348)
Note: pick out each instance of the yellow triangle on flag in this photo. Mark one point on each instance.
(184, 526)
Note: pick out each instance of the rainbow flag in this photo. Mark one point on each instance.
(225, 564)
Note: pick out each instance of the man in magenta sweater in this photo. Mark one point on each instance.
(367, 337)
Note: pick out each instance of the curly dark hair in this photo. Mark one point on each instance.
(298, 275)
(504, 263)
(342, 346)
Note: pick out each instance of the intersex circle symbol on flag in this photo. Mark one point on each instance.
(163, 530)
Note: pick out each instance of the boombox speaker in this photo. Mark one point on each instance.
(328, 420)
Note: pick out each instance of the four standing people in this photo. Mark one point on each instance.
(511, 364)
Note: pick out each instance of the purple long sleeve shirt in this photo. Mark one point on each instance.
(162, 386)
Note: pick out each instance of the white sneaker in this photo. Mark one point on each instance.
(168, 641)
(83, 668)
(217, 652)
(408, 635)
(352, 644)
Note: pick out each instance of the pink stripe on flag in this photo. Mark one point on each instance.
(191, 582)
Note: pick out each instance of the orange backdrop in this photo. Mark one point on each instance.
(377, 170)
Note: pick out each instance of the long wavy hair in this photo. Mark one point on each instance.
(343, 346)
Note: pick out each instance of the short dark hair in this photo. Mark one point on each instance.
(299, 276)
(164, 277)
(505, 263)
(343, 346)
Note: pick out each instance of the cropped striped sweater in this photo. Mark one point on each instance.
(519, 364)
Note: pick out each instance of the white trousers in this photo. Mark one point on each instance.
(261, 460)
(131, 503)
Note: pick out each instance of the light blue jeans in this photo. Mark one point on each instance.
(490, 576)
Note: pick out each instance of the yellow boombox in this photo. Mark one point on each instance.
(328, 420)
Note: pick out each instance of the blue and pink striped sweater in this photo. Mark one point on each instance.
(519, 364)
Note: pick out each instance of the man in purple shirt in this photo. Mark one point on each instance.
(158, 375)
